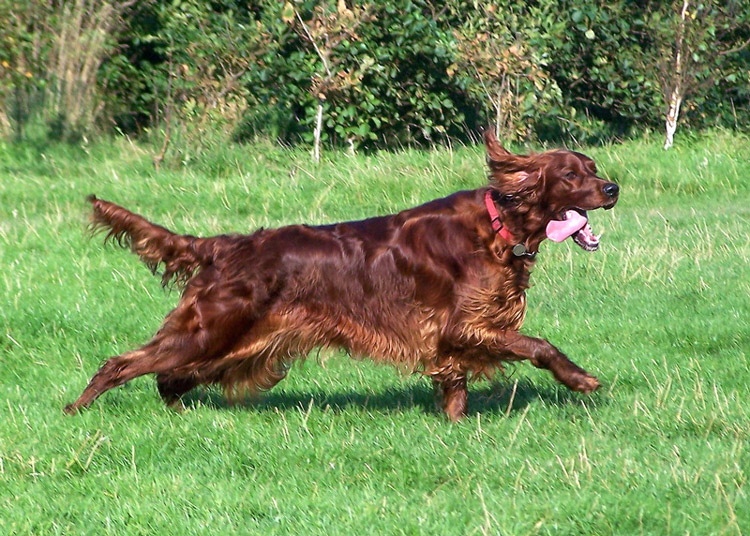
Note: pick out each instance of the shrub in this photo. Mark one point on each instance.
(378, 73)
(53, 56)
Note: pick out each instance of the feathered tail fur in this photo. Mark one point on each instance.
(181, 255)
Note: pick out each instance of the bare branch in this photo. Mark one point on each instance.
(314, 44)
(736, 49)
(159, 158)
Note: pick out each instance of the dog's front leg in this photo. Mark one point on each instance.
(542, 354)
(451, 395)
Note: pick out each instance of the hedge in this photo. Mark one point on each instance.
(385, 73)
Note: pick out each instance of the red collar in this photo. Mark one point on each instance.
(519, 250)
(497, 225)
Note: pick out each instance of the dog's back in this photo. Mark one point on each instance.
(438, 288)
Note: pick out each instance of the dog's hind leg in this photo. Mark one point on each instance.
(192, 345)
(451, 395)
(455, 398)
(171, 387)
(192, 337)
(151, 358)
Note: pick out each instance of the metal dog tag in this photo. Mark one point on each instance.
(519, 250)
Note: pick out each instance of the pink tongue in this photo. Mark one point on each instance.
(559, 230)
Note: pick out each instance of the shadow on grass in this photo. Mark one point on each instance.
(497, 398)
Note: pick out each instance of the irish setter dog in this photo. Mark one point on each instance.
(438, 289)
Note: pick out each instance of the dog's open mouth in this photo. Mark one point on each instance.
(586, 238)
(575, 224)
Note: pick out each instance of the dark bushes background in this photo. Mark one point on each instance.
(404, 71)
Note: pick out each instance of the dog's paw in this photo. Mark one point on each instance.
(70, 409)
(583, 382)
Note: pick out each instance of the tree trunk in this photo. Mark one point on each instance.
(678, 89)
(672, 114)
(318, 130)
(159, 158)
(498, 111)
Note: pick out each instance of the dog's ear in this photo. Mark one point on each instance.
(512, 174)
(516, 183)
(499, 159)
(494, 149)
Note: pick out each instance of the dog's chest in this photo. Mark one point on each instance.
(506, 310)
(494, 303)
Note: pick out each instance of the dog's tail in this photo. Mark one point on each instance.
(181, 255)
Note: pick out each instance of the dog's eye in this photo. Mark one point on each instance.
(570, 175)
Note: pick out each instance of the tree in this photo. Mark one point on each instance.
(509, 75)
(53, 57)
(703, 35)
(324, 32)
(209, 52)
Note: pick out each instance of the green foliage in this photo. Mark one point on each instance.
(716, 73)
(53, 54)
(194, 60)
(612, 60)
(21, 82)
(404, 71)
(596, 56)
(403, 95)
(501, 66)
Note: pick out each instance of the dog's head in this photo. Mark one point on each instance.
(547, 195)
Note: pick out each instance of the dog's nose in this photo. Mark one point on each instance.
(611, 189)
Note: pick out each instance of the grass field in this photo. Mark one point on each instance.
(660, 314)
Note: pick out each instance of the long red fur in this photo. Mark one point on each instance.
(433, 289)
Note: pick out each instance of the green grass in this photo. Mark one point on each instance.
(660, 314)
